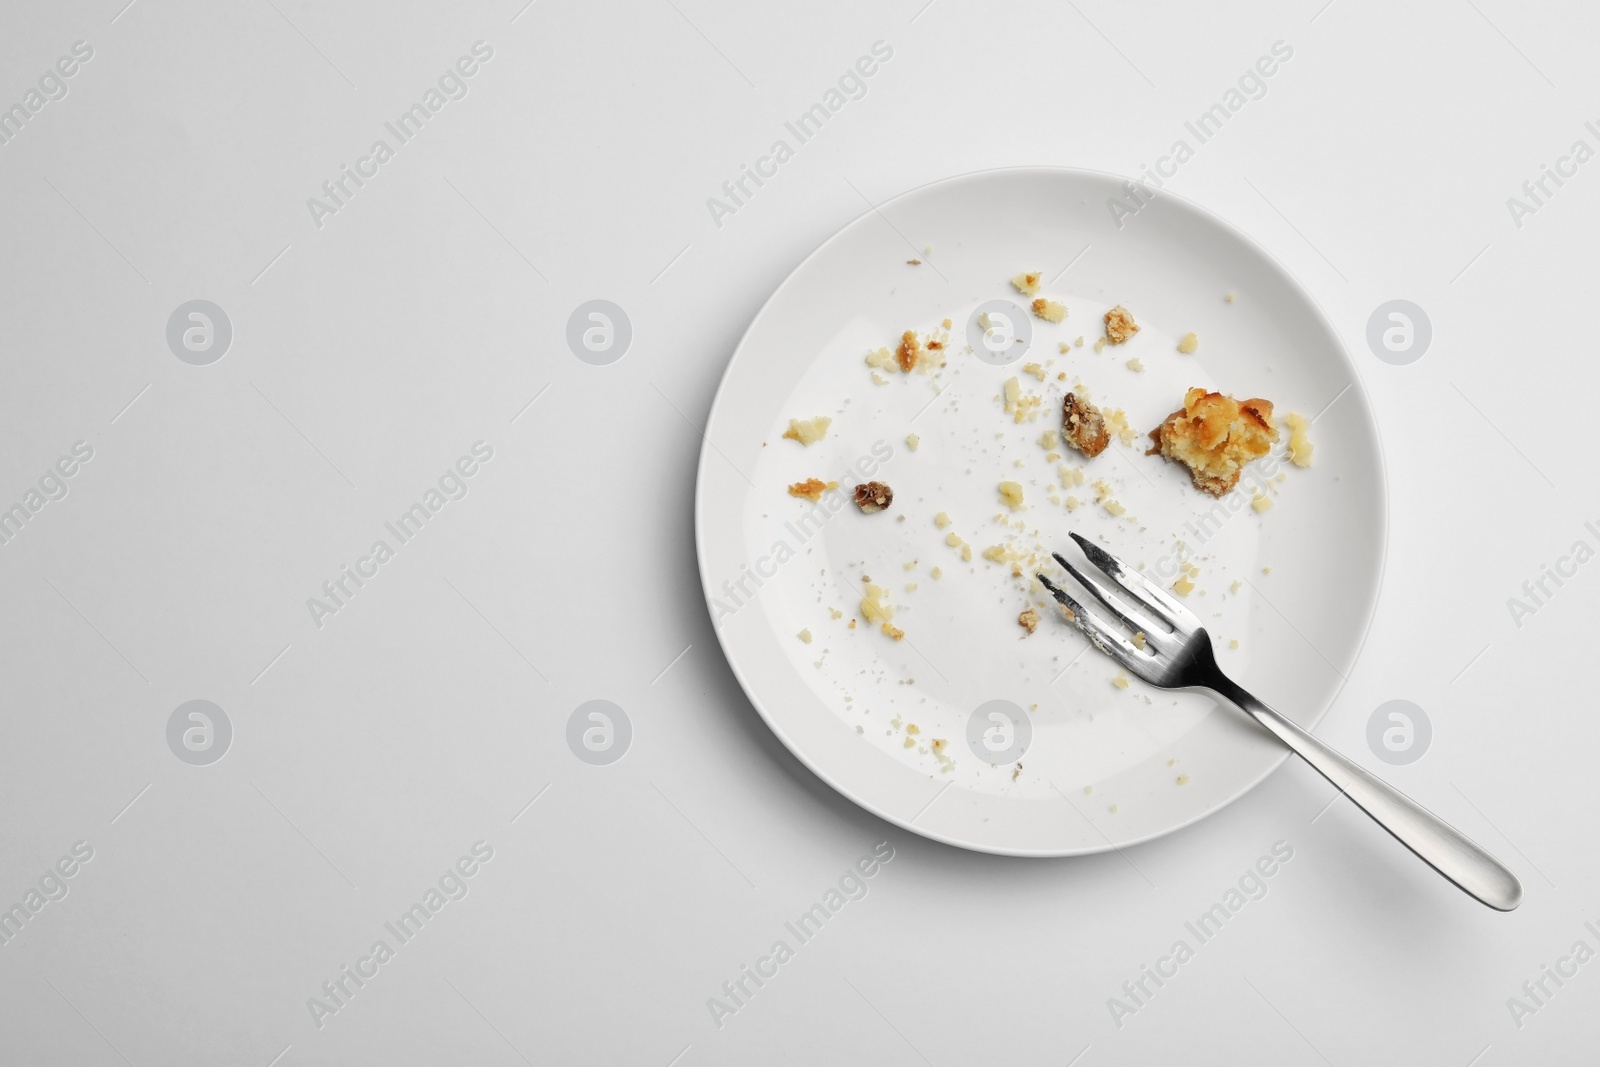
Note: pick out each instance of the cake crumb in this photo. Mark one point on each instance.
(1027, 283)
(809, 431)
(942, 520)
(1011, 495)
(1048, 310)
(909, 352)
(912, 441)
(1299, 442)
(811, 489)
(1136, 365)
(805, 637)
(1120, 325)
(1230, 297)
(1083, 426)
(1139, 639)
(1215, 436)
(936, 573)
(873, 497)
(1183, 586)
(1028, 620)
(1189, 343)
(1183, 779)
(1261, 502)
(1233, 643)
(1122, 680)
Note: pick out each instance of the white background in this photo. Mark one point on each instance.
(372, 351)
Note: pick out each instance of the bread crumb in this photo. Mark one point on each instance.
(966, 553)
(942, 520)
(1027, 283)
(1236, 586)
(1114, 508)
(1122, 680)
(805, 637)
(1077, 343)
(953, 540)
(1299, 443)
(892, 631)
(873, 497)
(1100, 344)
(1183, 586)
(1136, 365)
(1048, 310)
(1120, 325)
(936, 573)
(1033, 369)
(1261, 502)
(1072, 476)
(1028, 620)
(1073, 503)
(1011, 495)
(1189, 343)
(1049, 439)
(912, 441)
(809, 431)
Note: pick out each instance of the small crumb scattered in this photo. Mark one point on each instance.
(1183, 586)
(909, 352)
(936, 573)
(808, 431)
(1183, 779)
(1028, 620)
(1113, 809)
(1138, 639)
(1120, 326)
(942, 520)
(1299, 442)
(1189, 343)
(811, 489)
(1261, 502)
(1233, 643)
(1231, 297)
(1011, 495)
(805, 637)
(1048, 310)
(1122, 680)
(1027, 283)
(1136, 365)
(873, 497)
(912, 441)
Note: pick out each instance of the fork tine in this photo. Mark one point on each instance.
(1136, 584)
(1129, 617)
(1102, 636)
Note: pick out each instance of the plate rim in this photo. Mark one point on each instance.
(1382, 500)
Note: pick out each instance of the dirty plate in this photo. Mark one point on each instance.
(970, 730)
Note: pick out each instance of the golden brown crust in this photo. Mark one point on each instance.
(873, 496)
(910, 350)
(811, 489)
(1215, 436)
(1082, 426)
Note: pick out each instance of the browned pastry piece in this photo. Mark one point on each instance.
(1082, 426)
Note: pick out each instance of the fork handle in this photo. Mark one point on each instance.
(1440, 845)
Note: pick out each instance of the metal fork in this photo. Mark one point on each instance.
(1174, 652)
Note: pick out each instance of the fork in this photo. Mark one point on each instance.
(1174, 652)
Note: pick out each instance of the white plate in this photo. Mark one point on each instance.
(1105, 766)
